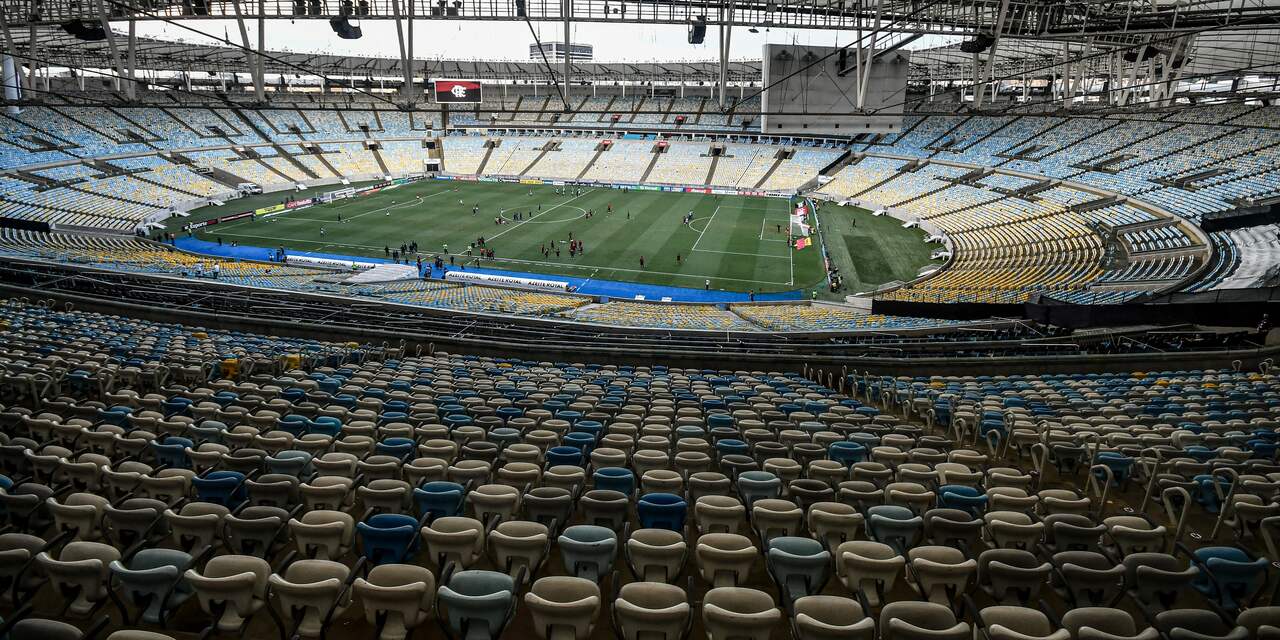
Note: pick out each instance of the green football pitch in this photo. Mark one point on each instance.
(738, 243)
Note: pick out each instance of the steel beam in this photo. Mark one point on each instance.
(867, 60)
(981, 83)
(568, 36)
(250, 55)
(117, 63)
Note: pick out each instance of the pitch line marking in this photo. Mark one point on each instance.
(738, 253)
(704, 229)
(531, 218)
(532, 221)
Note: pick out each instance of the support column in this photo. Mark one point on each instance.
(869, 58)
(406, 92)
(250, 54)
(567, 11)
(11, 69)
(33, 62)
(981, 86)
(1067, 71)
(1081, 69)
(111, 43)
(262, 46)
(726, 37)
(131, 90)
(412, 72)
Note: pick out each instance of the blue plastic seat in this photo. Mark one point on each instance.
(401, 448)
(477, 605)
(176, 406)
(564, 455)
(580, 440)
(964, 498)
(172, 452)
(289, 462)
(758, 485)
(439, 499)
(293, 423)
(846, 453)
(224, 488)
(799, 566)
(733, 446)
(325, 426)
(389, 538)
(896, 526)
(615, 479)
(662, 511)
(588, 551)
(1229, 576)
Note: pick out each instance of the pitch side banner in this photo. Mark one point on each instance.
(457, 91)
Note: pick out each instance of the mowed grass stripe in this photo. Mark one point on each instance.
(614, 244)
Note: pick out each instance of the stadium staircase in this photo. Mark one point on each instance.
(140, 136)
(376, 150)
(250, 154)
(903, 170)
(600, 148)
(778, 159)
(649, 169)
(110, 196)
(553, 145)
(945, 185)
(848, 158)
(315, 151)
(1199, 143)
(666, 112)
(1100, 132)
(937, 143)
(36, 178)
(489, 146)
(604, 113)
(252, 125)
(161, 185)
(631, 117)
(884, 141)
(183, 123)
(1103, 157)
(220, 176)
(711, 171)
(306, 171)
(989, 134)
(697, 117)
(1246, 113)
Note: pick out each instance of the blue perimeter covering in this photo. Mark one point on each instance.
(589, 286)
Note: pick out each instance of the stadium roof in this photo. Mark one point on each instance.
(1146, 42)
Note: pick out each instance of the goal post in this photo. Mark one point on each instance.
(339, 194)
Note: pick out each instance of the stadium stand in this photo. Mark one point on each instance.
(1005, 248)
(344, 481)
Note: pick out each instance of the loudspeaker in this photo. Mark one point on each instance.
(344, 28)
(1145, 52)
(83, 30)
(978, 44)
(299, 7)
(698, 30)
(520, 11)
